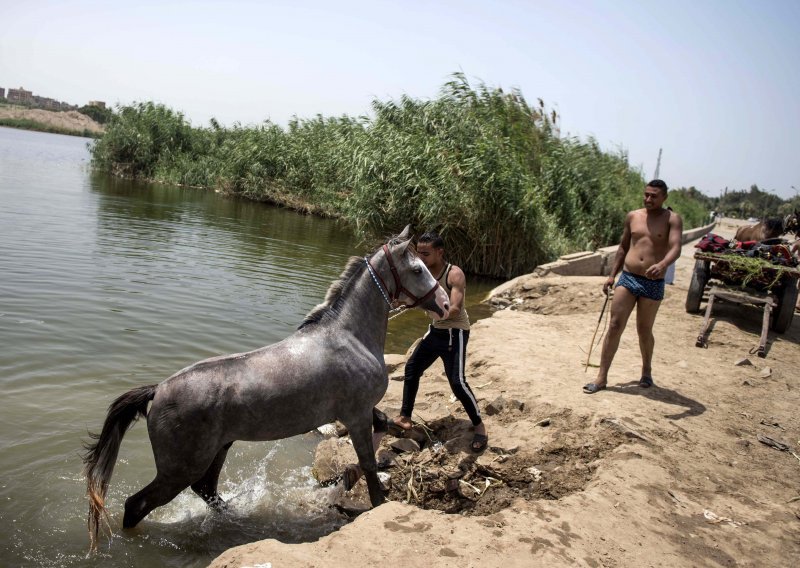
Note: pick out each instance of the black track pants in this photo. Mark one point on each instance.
(449, 345)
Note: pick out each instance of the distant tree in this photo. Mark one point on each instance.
(750, 203)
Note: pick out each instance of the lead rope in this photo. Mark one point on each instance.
(400, 311)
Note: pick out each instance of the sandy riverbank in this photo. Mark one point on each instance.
(67, 121)
(670, 476)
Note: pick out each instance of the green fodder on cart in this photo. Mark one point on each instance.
(750, 272)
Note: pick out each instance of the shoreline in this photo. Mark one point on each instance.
(33, 126)
(70, 123)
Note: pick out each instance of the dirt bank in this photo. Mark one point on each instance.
(67, 121)
(670, 476)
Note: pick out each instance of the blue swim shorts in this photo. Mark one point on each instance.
(641, 286)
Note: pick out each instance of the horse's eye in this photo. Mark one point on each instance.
(417, 270)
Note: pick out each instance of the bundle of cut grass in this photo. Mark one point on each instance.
(750, 272)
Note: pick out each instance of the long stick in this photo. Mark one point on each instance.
(591, 345)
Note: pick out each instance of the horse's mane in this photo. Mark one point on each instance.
(773, 225)
(355, 266)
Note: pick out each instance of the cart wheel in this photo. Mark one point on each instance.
(697, 286)
(784, 312)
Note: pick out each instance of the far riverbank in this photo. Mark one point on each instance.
(71, 122)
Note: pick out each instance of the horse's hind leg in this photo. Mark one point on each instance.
(206, 486)
(361, 436)
(159, 492)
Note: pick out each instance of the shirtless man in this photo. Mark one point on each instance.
(651, 241)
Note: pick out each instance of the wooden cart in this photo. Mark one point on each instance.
(775, 290)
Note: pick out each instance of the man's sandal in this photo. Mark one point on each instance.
(592, 388)
(479, 442)
(398, 430)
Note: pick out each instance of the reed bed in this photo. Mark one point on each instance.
(486, 169)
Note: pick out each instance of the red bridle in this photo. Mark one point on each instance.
(399, 289)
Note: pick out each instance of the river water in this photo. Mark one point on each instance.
(108, 284)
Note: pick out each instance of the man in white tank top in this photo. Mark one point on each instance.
(446, 340)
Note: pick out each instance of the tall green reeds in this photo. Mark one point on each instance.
(483, 167)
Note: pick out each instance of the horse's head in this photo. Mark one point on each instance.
(773, 227)
(409, 281)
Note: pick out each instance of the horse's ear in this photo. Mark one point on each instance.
(406, 233)
(403, 247)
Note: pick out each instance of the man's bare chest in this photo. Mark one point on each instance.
(655, 230)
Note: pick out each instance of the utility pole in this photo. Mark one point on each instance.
(658, 164)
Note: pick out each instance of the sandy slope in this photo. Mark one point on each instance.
(68, 120)
(670, 476)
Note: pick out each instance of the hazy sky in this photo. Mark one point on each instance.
(716, 84)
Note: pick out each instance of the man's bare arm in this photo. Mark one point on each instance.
(675, 239)
(458, 289)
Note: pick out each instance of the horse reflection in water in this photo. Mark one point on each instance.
(331, 368)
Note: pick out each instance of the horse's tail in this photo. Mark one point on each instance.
(101, 455)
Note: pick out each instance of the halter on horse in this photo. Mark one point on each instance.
(791, 223)
(331, 368)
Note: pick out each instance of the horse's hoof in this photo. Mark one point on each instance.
(218, 504)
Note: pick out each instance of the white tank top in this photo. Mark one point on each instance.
(461, 321)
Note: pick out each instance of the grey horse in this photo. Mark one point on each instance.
(331, 368)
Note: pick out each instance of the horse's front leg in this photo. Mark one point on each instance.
(361, 435)
(380, 427)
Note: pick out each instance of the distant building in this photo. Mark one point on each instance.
(20, 96)
(98, 104)
(47, 103)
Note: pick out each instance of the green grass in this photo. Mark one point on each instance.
(749, 271)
